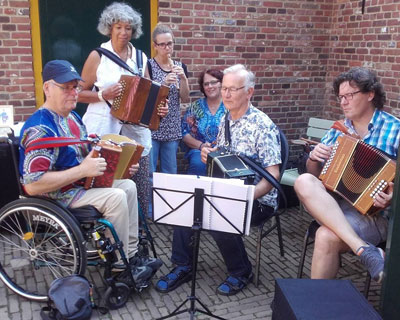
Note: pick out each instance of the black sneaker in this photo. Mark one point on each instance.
(146, 261)
(140, 275)
(373, 259)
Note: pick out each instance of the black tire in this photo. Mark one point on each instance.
(115, 297)
(39, 242)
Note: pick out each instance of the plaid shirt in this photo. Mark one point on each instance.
(383, 133)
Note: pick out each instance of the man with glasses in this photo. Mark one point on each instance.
(256, 136)
(59, 172)
(343, 228)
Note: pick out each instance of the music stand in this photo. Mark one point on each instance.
(198, 197)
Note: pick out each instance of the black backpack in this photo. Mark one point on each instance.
(69, 299)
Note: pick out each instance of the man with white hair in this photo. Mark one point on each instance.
(254, 135)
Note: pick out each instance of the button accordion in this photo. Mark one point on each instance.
(222, 164)
(139, 101)
(120, 154)
(357, 172)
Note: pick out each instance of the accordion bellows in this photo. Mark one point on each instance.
(139, 100)
(120, 153)
(357, 172)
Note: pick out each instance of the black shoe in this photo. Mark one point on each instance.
(177, 276)
(146, 261)
(140, 275)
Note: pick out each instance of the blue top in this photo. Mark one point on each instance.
(200, 123)
(32, 165)
(383, 133)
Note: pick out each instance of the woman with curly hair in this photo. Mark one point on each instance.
(121, 23)
(201, 120)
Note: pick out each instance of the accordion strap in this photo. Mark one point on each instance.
(227, 132)
(53, 142)
(339, 125)
(267, 176)
(113, 57)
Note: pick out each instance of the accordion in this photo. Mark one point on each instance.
(139, 100)
(120, 154)
(222, 164)
(357, 172)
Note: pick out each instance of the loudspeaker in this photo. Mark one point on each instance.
(320, 299)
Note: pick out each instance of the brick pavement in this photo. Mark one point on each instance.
(252, 303)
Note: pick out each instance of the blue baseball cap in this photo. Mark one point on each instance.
(60, 71)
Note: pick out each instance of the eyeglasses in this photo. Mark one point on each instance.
(211, 83)
(231, 89)
(68, 89)
(347, 96)
(164, 45)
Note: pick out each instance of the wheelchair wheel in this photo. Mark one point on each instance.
(39, 242)
(115, 297)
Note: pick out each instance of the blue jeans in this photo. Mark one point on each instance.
(230, 245)
(166, 151)
(196, 166)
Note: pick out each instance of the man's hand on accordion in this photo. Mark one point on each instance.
(320, 153)
(133, 169)
(205, 150)
(383, 198)
(112, 91)
(92, 167)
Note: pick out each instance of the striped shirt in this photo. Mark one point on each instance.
(383, 133)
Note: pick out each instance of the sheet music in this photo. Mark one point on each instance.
(168, 208)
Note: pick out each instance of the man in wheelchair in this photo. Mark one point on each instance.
(58, 172)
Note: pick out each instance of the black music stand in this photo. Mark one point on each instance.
(197, 226)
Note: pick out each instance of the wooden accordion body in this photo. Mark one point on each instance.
(120, 154)
(357, 172)
(139, 100)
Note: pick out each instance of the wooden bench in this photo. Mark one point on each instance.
(316, 129)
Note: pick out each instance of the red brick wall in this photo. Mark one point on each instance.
(371, 40)
(17, 86)
(295, 48)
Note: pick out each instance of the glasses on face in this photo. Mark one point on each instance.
(212, 83)
(347, 96)
(68, 89)
(231, 89)
(164, 44)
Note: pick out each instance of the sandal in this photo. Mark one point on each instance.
(233, 285)
(171, 281)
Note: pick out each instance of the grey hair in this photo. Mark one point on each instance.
(248, 75)
(120, 12)
(161, 29)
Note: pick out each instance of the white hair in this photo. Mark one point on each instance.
(120, 12)
(247, 74)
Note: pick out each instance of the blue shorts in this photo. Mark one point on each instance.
(372, 229)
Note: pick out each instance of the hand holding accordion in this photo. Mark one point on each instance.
(139, 100)
(120, 154)
(357, 172)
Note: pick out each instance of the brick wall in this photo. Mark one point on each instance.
(295, 48)
(17, 85)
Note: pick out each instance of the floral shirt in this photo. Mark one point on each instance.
(170, 125)
(200, 123)
(257, 137)
(34, 164)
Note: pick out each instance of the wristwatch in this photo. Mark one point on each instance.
(100, 95)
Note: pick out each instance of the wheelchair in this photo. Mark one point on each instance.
(41, 240)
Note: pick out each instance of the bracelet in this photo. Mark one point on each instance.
(201, 146)
(309, 157)
(100, 95)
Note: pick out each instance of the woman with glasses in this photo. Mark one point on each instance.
(120, 23)
(201, 120)
(174, 74)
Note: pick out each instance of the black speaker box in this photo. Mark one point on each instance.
(308, 299)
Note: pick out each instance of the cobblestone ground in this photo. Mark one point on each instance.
(252, 303)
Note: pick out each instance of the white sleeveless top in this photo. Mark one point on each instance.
(98, 118)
